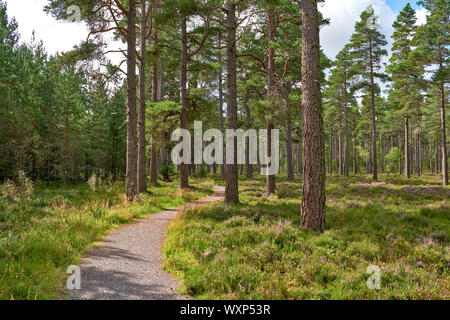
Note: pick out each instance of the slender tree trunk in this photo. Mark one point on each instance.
(419, 149)
(155, 98)
(400, 151)
(346, 151)
(290, 160)
(270, 179)
(355, 160)
(381, 154)
(374, 123)
(249, 167)
(141, 168)
(407, 165)
(66, 148)
(436, 156)
(231, 169)
(331, 151)
(340, 148)
(131, 180)
(221, 120)
(336, 153)
(313, 199)
(184, 168)
(299, 157)
(443, 139)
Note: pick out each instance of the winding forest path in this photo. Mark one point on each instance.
(128, 263)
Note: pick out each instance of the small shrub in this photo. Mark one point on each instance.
(167, 170)
(392, 160)
(19, 188)
(92, 182)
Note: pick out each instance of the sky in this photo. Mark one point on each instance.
(62, 36)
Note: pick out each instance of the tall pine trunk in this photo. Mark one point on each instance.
(407, 157)
(184, 167)
(313, 199)
(270, 179)
(141, 169)
(374, 123)
(221, 121)
(231, 169)
(155, 96)
(290, 160)
(443, 140)
(131, 174)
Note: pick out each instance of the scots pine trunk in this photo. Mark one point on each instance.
(400, 152)
(249, 167)
(231, 169)
(184, 168)
(270, 179)
(299, 157)
(222, 166)
(155, 96)
(374, 123)
(141, 169)
(313, 199)
(131, 174)
(340, 148)
(407, 156)
(346, 148)
(443, 140)
(290, 160)
(355, 160)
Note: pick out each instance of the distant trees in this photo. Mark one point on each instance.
(433, 47)
(59, 120)
(404, 70)
(63, 118)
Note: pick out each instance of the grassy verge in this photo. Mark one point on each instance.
(41, 236)
(256, 250)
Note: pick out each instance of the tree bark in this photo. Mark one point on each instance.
(407, 165)
(290, 160)
(400, 152)
(444, 140)
(155, 98)
(299, 157)
(231, 169)
(221, 120)
(131, 175)
(184, 168)
(340, 148)
(270, 179)
(313, 199)
(374, 123)
(355, 160)
(249, 167)
(141, 169)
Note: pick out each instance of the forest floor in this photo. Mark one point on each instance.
(41, 235)
(256, 250)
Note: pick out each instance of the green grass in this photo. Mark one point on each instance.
(256, 250)
(40, 237)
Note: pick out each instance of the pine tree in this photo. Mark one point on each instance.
(433, 43)
(404, 71)
(367, 43)
(340, 93)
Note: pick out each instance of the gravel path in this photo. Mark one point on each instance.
(128, 264)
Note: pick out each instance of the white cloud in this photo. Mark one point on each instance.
(343, 15)
(421, 16)
(57, 36)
